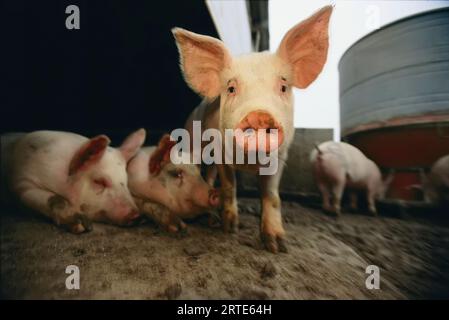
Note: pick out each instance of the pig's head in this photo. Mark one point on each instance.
(384, 185)
(180, 187)
(99, 179)
(255, 90)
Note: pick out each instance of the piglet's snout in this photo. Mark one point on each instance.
(214, 198)
(126, 212)
(260, 132)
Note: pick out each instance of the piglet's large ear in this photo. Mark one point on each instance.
(132, 144)
(202, 59)
(305, 47)
(161, 155)
(89, 153)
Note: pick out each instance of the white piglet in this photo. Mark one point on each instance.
(74, 180)
(338, 165)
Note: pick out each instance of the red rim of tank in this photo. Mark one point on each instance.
(440, 119)
(407, 145)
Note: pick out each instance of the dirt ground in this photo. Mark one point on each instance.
(327, 259)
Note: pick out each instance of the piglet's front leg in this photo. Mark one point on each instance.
(230, 214)
(57, 208)
(67, 217)
(272, 231)
(161, 215)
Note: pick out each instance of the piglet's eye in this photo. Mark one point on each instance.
(231, 89)
(177, 174)
(283, 88)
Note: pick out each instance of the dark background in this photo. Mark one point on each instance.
(119, 72)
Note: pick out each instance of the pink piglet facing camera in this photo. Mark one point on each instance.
(252, 94)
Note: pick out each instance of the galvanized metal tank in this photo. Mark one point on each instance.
(394, 96)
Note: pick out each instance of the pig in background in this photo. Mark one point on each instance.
(435, 184)
(254, 92)
(71, 179)
(338, 165)
(168, 192)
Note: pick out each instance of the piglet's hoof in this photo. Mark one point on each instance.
(178, 233)
(332, 212)
(79, 223)
(178, 227)
(274, 244)
(174, 225)
(85, 222)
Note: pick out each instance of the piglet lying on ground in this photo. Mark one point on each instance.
(72, 179)
(337, 165)
(168, 192)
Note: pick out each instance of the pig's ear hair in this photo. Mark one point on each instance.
(305, 47)
(89, 153)
(202, 58)
(132, 144)
(161, 155)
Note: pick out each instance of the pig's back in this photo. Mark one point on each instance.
(361, 170)
(345, 153)
(347, 157)
(43, 157)
(56, 145)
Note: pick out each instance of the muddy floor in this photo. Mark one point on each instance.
(327, 259)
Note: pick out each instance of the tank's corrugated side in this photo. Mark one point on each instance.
(399, 71)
